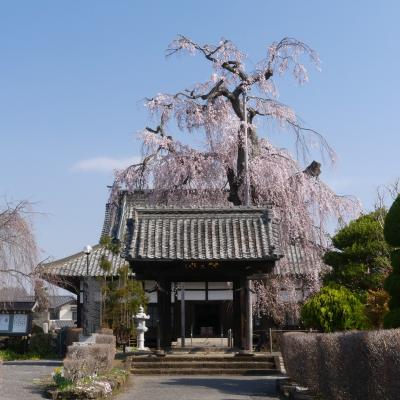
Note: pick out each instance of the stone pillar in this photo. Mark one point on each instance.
(91, 306)
(164, 312)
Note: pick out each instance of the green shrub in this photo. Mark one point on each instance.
(59, 379)
(42, 344)
(360, 257)
(10, 355)
(334, 308)
(17, 344)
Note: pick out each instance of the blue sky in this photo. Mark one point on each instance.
(73, 74)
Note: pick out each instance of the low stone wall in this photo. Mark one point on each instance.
(340, 366)
(90, 358)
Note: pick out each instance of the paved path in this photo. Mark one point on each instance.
(16, 383)
(200, 387)
(16, 379)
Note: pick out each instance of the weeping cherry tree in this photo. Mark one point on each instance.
(235, 164)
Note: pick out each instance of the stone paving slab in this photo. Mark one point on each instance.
(16, 379)
(200, 387)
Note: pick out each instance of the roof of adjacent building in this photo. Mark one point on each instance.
(57, 301)
(76, 264)
(62, 323)
(12, 293)
(296, 262)
(237, 233)
(18, 299)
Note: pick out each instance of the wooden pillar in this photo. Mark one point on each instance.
(248, 316)
(243, 314)
(78, 310)
(164, 309)
(183, 312)
(237, 314)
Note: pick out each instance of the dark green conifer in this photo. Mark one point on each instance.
(392, 282)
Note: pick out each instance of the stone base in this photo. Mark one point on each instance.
(83, 339)
(244, 353)
(143, 350)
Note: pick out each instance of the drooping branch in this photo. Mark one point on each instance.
(18, 249)
(215, 110)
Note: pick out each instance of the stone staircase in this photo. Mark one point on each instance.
(202, 364)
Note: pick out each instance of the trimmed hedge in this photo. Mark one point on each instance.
(345, 366)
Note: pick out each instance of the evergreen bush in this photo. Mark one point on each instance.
(392, 283)
(334, 308)
(391, 229)
(42, 344)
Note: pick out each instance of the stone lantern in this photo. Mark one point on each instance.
(141, 328)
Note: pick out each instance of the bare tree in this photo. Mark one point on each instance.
(18, 248)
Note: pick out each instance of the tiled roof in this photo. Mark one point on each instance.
(117, 213)
(76, 265)
(15, 305)
(59, 301)
(62, 323)
(14, 299)
(161, 233)
(237, 233)
(296, 262)
(10, 293)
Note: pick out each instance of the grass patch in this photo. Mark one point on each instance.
(11, 355)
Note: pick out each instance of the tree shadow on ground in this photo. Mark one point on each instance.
(239, 387)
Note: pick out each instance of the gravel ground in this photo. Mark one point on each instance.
(16, 379)
(200, 387)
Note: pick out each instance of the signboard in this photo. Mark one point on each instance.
(4, 322)
(15, 324)
(20, 323)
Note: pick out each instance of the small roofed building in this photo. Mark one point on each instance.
(71, 271)
(61, 312)
(195, 263)
(16, 305)
(16, 310)
(182, 245)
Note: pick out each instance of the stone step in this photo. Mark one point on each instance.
(205, 371)
(204, 364)
(200, 358)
